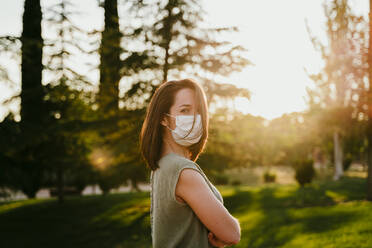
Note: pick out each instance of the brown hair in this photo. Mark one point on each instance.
(151, 138)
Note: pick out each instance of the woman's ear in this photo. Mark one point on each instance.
(164, 122)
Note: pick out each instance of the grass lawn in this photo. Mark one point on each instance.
(323, 215)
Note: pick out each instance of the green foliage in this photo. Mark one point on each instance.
(110, 63)
(347, 161)
(237, 140)
(340, 95)
(269, 177)
(175, 29)
(59, 129)
(219, 179)
(305, 172)
(236, 182)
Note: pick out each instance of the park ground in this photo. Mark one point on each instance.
(324, 214)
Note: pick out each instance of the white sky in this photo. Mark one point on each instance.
(273, 31)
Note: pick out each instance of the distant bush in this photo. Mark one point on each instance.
(3, 193)
(305, 172)
(269, 177)
(66, 191)
(236, 182)
(220, 179)
(347, 161)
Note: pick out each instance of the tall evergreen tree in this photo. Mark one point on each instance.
(32, 94)
(33, 110)
(19, 140)
(117, 60)
(110, 49)
(65, 89)
(22, 146)
(108, 96)
(176, 37)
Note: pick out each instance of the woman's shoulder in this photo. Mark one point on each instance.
(173, 161)
(170, 167)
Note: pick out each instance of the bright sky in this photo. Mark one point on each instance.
(273, 31)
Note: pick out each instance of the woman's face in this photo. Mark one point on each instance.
(184, 104)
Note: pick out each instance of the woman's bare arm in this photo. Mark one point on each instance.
(194, 190)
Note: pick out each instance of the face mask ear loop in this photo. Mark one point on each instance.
(167, 126)
(193, 123)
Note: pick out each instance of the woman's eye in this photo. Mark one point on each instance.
(184, 110)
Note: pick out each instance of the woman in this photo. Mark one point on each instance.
(186, 208)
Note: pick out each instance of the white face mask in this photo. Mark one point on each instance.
(183, 127)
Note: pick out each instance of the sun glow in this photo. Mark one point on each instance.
(275, 34)
(100, 158)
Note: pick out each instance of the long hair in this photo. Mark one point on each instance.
(151, 138)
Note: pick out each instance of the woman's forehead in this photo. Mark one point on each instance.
(184, 97)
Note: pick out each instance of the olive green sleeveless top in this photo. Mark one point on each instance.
(174, 224)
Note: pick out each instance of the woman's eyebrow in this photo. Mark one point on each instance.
(184, 105)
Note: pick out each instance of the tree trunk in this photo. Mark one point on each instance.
(29, 192)
(369, 103)
(135, 185)
(165, 68)
(338, 156)
(168, 24)
(369, 179)
(60, 185)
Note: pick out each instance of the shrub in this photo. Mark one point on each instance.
(66, 191)
(305, 172)
(269, 177)
(3, 193)
(220, 179)
(347, 161)
(236, 182)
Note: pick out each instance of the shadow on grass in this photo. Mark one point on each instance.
(271, 216)
(278, 214)
(116, 220)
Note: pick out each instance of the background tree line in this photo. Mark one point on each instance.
(75, 132)
(67, 135)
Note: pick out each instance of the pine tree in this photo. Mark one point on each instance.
(65, 91)
(175, 36)
(22, 140)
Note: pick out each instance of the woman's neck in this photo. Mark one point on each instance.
(169, 146)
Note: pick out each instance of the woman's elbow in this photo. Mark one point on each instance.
(236, 239)
(236, 234)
